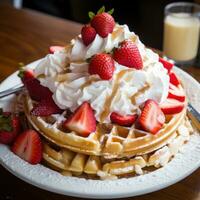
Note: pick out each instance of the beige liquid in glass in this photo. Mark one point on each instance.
(181, 36)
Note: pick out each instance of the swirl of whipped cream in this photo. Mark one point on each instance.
(52, 64)
(52, 82)
(124, 93)
(120, 33)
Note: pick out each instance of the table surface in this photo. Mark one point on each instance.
(25, 36)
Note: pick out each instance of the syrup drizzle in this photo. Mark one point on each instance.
(133, 38)
(62, 77)
(78, 61)
(89, 82)
(139, 92)
(109, 99)
(117, 32)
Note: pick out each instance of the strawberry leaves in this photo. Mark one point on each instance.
(21, 70)
(111, 11)
(5, 122)
(101, 10)
(91, 15)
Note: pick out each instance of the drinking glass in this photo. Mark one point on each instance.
(181, 32)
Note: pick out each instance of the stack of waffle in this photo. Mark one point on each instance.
(112, 151)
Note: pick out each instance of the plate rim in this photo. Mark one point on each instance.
(90, 194)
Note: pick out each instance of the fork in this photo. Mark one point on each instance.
(11, 90)
(194, 116)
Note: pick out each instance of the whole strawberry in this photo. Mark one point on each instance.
(128, 54)
(88, 34)
(103, 65)
(9, 127)
(103, 22)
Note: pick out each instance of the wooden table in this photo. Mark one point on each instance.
(25, 36)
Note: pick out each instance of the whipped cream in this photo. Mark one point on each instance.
(119, 34)
(52, 64)
(72, 93)
(66, 75)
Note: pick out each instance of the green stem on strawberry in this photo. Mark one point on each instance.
(21, 70)
(5, 122)
(101, 10)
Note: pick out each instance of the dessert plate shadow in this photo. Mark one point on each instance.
(184, 163)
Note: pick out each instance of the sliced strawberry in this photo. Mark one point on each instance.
(103, 65)
(172, 106)
(88, 34)
(128, 55)
(46, 105)
(167, 65)
(123, 120)
(26, 75)
(103, 23)
(52, 49)
(9, 127)
(173, 79)
(82, 120)
(45, 108)
(28, 146)
(152, 117)
(35, 89)
(176, 93)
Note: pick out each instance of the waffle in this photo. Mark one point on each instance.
(110, 141)
(70, 163)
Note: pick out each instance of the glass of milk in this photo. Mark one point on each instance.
(181, 32)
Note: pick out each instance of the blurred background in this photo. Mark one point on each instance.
(145, 17)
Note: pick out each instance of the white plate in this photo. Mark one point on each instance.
(181, 166)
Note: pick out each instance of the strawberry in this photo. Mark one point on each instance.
(9, 127)
(52, 49)
(45, 108)
(26, 75)
(103, 65)
(103, 23)
(46, 105)
(123, 120)
(176, 93)
(152, 117)
(167, 65)
(128, 54)
(82, 120)
(28, 146)
(88, 34)
(172, 106)
(173, 79)
(35, 89)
